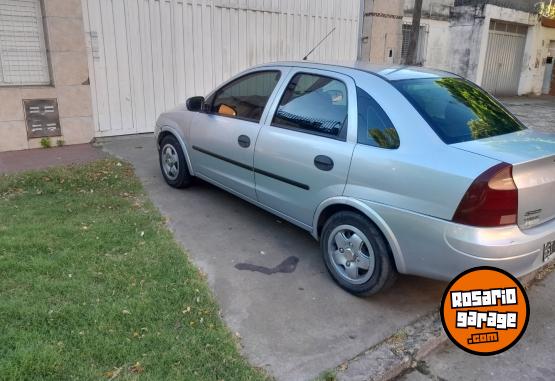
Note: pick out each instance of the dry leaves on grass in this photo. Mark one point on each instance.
(113, 374)
(136, 368)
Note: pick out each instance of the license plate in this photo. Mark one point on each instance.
(548, 250)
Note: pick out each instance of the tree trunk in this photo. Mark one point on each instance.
(412, 52)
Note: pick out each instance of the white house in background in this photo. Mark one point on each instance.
(503, 45)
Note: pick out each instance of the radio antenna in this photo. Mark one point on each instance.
(320, 43)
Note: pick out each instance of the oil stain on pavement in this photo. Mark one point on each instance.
(287, 266)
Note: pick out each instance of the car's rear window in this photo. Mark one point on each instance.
(457, 110)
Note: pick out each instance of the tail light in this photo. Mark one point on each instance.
(491, 200)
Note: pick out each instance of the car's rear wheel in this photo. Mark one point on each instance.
(356, 254)
(173, 163)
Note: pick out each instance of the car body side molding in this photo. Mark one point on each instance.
(250, 168)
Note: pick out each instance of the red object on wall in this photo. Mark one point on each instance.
(548, 23)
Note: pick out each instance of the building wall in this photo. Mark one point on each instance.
(537, 51)
(458, 43)
(431, 9)
(437, 42)
(69, 82)
(468, 33)
(381, 31)
(529, 69)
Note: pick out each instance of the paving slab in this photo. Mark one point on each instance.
(41, 158)
(293, 324)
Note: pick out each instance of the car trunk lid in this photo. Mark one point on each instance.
(532, 155)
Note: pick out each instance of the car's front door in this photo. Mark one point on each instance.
(223, 137)
(304, 149)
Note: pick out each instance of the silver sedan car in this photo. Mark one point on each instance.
(393, 169)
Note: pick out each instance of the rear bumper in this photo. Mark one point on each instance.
(441, 249)
(519, 252)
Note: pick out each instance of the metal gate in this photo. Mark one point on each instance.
(504, 56)
(146, 56)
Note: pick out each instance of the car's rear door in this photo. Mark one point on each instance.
(304, 149)
(223, 137)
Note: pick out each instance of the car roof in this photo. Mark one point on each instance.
(387, 72)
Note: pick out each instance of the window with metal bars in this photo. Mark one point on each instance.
(23, 59)
(421, 48)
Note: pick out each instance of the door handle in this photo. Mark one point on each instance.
(324, 163)
(244, 141)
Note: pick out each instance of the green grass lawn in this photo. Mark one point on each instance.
(93, 286)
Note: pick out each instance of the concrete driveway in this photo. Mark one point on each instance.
(294, 324)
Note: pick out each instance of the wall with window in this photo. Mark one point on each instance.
(381, 31)
(434, 42)
(43, 57)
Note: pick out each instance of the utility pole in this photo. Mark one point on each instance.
(415, 31)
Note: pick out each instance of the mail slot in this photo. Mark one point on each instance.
(42, 118)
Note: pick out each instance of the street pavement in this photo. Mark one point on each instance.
(536, 112)
(532, 358)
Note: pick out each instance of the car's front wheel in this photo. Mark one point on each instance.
(173, 163)
(356, 254)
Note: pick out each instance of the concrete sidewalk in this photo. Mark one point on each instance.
(40, 158)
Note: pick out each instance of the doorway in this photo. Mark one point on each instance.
(504, 57)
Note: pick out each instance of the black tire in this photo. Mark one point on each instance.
(383, 273)
(181, 177)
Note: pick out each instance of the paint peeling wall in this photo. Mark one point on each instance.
(431, 9)
(437, 44)
(468, 33)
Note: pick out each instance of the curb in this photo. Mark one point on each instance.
(396, 354)
(402, 351)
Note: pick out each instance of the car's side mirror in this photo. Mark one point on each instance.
(195, 104)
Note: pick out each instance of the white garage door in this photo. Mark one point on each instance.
(504, 56)
(146, 56)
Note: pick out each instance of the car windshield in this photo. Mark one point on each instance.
(457, 110)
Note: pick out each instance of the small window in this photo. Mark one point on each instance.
(246, 97)
(374, 126)
(23, 59)
(314, 104)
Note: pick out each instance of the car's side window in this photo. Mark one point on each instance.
(315, 104)
(374, 126)
(246, 97)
